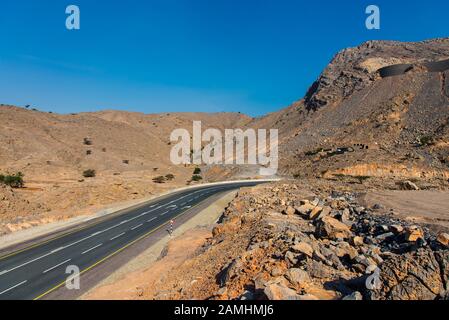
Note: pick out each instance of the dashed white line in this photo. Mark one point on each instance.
(58, 265)
(88, 250)
(162, 214)
(152, 219)
(118, 236)
(138, 226)
(7, 290)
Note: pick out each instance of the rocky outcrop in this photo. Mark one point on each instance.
(356, 68)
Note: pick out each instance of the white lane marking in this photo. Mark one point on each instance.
(92, 235)
(118, 236)
(162, 214)
(138, 226)
(88, 250)
(152, 219)
(58, 265)
(182, 204)
(172, 206)
(187, 207)
(27, 263)
(23, 282)
(56, 250)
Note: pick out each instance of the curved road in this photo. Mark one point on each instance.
(33, 272)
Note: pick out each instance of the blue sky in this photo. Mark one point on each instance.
(252, 56)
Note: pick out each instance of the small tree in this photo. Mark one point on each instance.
(197, 178)
(197, 171)
(169, 177)
(89, 173)
(160, 179)
(14, 181)
(87, 142)
(426, 141)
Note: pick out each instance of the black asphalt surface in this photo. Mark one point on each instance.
(32, 273)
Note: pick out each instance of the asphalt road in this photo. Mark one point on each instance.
(33, 272)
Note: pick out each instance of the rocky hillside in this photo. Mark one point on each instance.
(354, 122)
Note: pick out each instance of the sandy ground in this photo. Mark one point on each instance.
(431, 207)
(143, 272)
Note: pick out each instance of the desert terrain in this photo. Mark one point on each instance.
(126, 150)
(365, 162)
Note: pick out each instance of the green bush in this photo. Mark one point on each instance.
(426, 140)
(197, 171)
(197, 177)
(14, 181)
(89, 173)
(362, 178)
(160, 179)
(169, 177)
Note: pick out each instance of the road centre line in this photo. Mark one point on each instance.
(58, 265)
(13, 287)
(93, 248)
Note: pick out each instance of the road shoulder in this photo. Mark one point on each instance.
(163, 255)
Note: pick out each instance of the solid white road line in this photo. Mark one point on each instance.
(58, 265)
(92, 248)
(138, 226)
(13, 287)
(27, 263)
(118, 236)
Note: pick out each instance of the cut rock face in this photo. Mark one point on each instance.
(410, 277)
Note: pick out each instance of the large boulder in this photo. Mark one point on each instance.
(278, 291)
(331, 228)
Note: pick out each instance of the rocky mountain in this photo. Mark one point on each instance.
(353, 121)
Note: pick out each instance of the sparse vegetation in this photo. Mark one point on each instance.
(89, 173)
(426, 141)
(314, 152)
(362, 178)
(88, 152)
(87, 141)
(197, 171)
(125, 161)
(197, 178)
(169, 177)
(160, 179)
(14, 181)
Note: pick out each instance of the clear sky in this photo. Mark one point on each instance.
(252, 56)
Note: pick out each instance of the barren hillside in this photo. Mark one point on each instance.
(127, 150)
